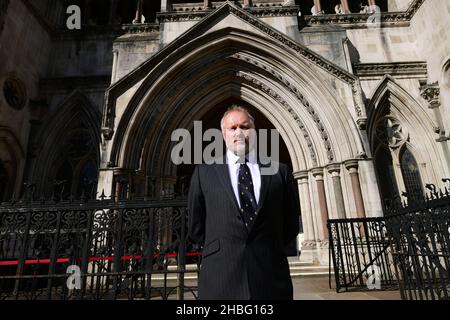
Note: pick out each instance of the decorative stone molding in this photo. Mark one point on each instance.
(390, 131)
(140, 28)
(301, 175)
(359, 20)
(180, 16)
(351, 165)
(431, 94)
(334, 168)
(394, 69)
(317, 173)
(263, 12)
(362, 123)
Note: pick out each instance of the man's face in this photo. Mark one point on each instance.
(238, 132)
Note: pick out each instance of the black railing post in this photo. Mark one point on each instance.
(182, 255)
(23, 255)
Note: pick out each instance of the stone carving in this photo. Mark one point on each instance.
(431, 94)
(391, 68)
(390, 131)
(339, 9)
(14, 92)
(360, 19)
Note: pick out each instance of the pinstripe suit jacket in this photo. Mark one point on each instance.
(240, 263)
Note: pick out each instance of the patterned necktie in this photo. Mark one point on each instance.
(247, 195)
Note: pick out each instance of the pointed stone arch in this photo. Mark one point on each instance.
(248, 60)
(76, 116)
(411, 128)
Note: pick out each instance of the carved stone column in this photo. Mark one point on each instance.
(248, 3)
(431, 93)
(318, 7)
(352, 167)
(307, 216)
(345, 6)
(207, 4)
(318, 175)
(166, 5)
(139, 10)
(122, 183)
(335, 170)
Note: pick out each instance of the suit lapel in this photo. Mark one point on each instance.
(224, 177)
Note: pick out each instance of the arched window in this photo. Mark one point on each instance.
(87, 180)
(385, 173)
(411, 174)
(63, 180)
(78, 170)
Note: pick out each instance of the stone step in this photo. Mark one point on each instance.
(298, 269)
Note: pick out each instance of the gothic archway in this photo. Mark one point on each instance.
(399, 140)
(68, 148)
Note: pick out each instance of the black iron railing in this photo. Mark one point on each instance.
(97, 249)
(360, 248)
(421, 251)
(408, 249)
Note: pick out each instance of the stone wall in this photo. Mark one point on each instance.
(24, 52)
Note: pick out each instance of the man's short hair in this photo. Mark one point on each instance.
(233, 108)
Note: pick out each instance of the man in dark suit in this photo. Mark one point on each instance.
(243, 219)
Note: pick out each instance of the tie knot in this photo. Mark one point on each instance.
(243, 160)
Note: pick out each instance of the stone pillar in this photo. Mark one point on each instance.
(122, 184)
(305, 203)
(345, 6)
(207, 4)
(318, 7)
(166, 5)
(352, 167)
(431, 93)
(248, 3)
(105, 183)
(139, 9)
(335, 170)
(318, 175)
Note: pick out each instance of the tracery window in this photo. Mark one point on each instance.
(411, 174)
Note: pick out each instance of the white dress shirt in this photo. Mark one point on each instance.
(233, 168)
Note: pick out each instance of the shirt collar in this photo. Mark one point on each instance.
(234, 159)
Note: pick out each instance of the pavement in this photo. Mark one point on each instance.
(318, 288)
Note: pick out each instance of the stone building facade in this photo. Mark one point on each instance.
(358, 90)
